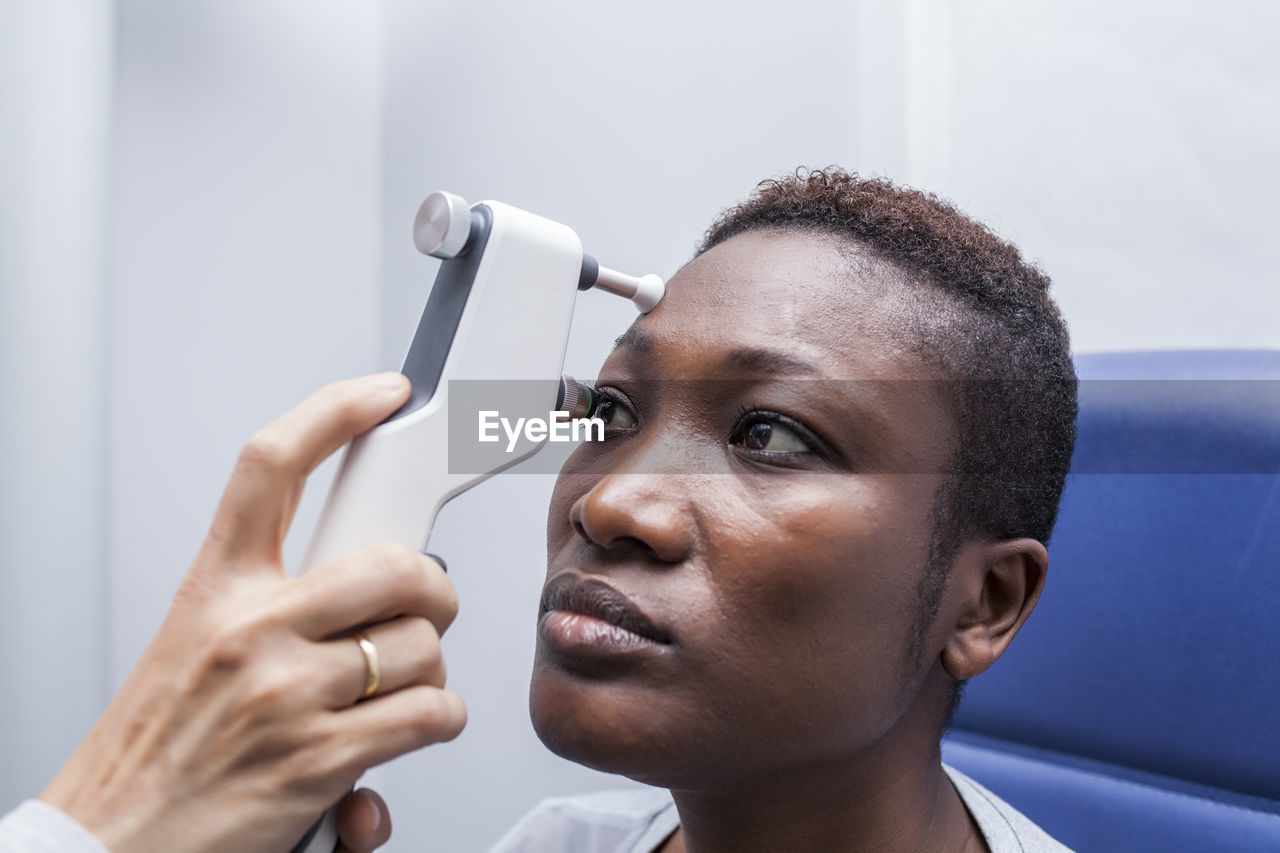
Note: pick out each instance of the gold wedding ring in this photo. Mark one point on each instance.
(372, 667)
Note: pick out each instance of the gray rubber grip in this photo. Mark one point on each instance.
(439, 324)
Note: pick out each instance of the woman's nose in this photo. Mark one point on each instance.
(650, 512)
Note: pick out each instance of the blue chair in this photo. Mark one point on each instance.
(1139, 709)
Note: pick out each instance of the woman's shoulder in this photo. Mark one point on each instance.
(1004, 827)
(632, 820)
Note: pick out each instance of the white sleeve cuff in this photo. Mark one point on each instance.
(37, 827)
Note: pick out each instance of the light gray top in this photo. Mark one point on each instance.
(635, 821)
(37, 827)
(639, 821)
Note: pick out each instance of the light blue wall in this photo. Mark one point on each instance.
(206, 214)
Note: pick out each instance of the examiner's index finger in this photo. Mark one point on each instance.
(264, 489)
(371, 585)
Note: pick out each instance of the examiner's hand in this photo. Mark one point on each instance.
(241, 723)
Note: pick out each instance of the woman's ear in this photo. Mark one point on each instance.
(999, 584)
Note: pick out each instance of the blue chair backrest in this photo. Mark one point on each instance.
(1139, 708)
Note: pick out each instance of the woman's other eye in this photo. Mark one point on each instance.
(766, 433)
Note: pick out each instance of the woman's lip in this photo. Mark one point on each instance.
(590, 597)
(578, 635)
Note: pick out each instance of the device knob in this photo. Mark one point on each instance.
(576, 398)
(442, 225)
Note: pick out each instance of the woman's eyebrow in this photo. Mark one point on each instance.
(759, 360)
(744, 359)
(634, 339)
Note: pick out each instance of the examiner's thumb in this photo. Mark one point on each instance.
(262, 494)
(364, 823)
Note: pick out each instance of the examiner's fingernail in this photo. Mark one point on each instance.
(391, 380)
(439, 560)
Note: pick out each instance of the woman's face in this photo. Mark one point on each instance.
(734, 573)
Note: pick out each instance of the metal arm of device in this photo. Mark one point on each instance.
(500, 309)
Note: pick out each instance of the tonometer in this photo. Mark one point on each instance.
(500, 309)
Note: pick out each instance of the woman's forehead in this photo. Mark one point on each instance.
(790, 296)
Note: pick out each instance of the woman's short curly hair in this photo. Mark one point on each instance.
(984, 315)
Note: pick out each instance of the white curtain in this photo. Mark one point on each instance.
(55, 97)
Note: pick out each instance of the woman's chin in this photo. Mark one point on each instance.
(601, 725)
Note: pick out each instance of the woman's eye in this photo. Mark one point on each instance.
(616, 416)
(768, 436)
